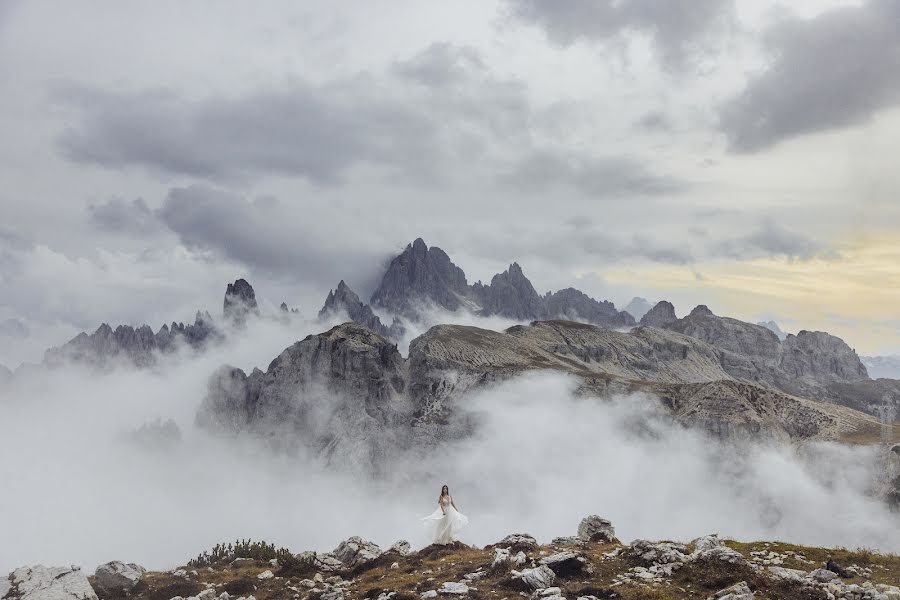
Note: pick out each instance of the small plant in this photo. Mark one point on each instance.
(241, 549)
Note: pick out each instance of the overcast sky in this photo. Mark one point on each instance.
(738, 154)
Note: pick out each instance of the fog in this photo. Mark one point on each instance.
(77, 488)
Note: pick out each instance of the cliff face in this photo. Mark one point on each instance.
(421, 276)
(339, 393)
(344, 300)
(239, 303)
(351, 384)
(660, 315)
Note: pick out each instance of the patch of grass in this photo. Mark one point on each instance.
(179, 588)
(238, 587)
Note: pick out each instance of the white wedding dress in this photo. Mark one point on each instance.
(444, 523)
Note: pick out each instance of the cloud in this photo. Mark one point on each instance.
(772, 239)
(597, 177)
(832, 71)
(270, 236)
(677, 28)
(118, 216)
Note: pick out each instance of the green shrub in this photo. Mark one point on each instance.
(240, 549)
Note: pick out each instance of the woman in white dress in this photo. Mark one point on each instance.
(444, 523)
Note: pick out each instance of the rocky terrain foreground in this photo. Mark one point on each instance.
(588, 566)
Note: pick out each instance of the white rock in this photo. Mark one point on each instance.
(117, 577)
(428, 594)
(207, 594)
(401, 547)
(355, 551)
(550, 591)
(242, 562)
(453, 588)
(739, 591)
(794, 575)
(538, 578)
(596, 529)
(520, 559)
(822, 575)
(267, 574)
(49, 583)
(395, 565)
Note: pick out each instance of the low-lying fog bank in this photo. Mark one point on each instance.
(79, 488)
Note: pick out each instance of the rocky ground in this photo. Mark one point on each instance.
(589, 566)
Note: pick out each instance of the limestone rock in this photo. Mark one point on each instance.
(49, 583)
(660, 315)
(793, 575)
(344, 300)
(638, 307)
(400, 547)
(596, 529)
(117, 577)
(538, 578)
(711, 548)
(356, 551)
(565, 564)
(453, 588)
(239, 303)
(578, 306)
(517, 541)
(738, 591)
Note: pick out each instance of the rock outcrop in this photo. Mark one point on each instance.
(118, 578)
(133, 346)
(421, 277)
(239, 303)
(596, 529)
(774, 328)
(660, 315)
(348, 393)
(344, 301)
(342, 391)
(47, 583)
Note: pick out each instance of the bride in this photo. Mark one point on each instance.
(445, 522)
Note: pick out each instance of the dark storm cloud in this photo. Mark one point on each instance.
(835, 70)
(313, 132)
(600, 177)
(269, 236)
(118, 216)
(677, 28)
(439, 116)
(771, 239)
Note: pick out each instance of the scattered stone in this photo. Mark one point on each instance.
(242, 562)
(822, 575)
(428, 594)
(738, 591)
(401, 547)
(207, 594)
(711, 548)
(332, 594)
(308, 583)
(395, 565)
(537, 578)
(117, 577)
(453, 588)
(550, 591)
(327, 562)
(48, 583)
(267, 574)
(565, 564)
(596, 529)
(794, 575)
(657, 553)
(356, 551)
(517, 542)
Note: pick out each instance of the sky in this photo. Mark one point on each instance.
(735, 153)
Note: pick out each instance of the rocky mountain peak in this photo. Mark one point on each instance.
(240, 302)
(701, 310)
(421, 275)
(660, 315)
(344, 300)
(510, 294)
(638, 307)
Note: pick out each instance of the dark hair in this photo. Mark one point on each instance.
(444, 487)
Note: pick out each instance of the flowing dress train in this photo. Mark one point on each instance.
(444, 523)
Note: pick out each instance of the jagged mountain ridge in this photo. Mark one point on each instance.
(343, 300)
(380, 401)
(422, 276)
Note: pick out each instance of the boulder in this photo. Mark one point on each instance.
(117, 577)
(517, 542)
(738, 591)
(453, 588)
(356, 551)
(538, 578)
(792, 575)
(242, 562)
(822, 575)
(565, 564)
(711, 548)
(48, 583)
(596, 529)
(400, 547)
(660, 553)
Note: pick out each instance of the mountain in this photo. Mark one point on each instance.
(140, 346)
(421, 277)
(239, 303)
(882, 366)
(774, 328)
(660, 315)
(638, 307)
(343, 300)
(384, 402)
